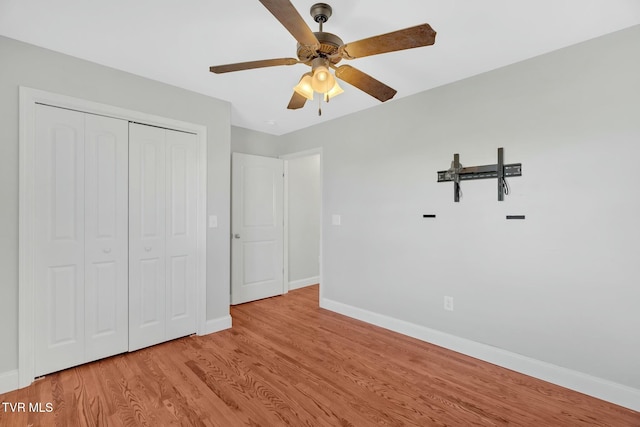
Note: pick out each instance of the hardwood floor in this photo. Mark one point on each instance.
(287, 362)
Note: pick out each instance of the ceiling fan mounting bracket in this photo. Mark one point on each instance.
(321, 12)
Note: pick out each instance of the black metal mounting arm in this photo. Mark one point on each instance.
(500, 171)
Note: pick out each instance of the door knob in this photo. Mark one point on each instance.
(237, 236)
(106, 250)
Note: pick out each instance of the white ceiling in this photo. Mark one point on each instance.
(175, 42)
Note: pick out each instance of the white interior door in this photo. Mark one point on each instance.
(162, 235)
(81, 238)
(257, 228)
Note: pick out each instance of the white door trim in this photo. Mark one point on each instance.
(286, 158)
(28, 100)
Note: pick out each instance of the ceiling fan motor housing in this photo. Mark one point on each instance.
(329, 44)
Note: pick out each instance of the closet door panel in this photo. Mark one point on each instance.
(147, 255)
(106, 236)
(182, 190)
(59, 238)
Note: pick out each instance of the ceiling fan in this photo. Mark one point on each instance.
(322, 51)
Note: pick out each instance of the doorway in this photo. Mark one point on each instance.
(276, 242)
(303, 218)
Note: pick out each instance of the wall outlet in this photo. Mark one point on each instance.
(448, 303)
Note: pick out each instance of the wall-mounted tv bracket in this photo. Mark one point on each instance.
(500, 171)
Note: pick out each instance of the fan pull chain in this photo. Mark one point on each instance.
(319, 106)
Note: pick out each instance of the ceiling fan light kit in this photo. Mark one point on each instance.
(322, 51)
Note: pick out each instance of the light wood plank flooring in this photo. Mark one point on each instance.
(287, 362)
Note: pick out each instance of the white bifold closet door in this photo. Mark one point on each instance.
(80, 259)
(162, 235)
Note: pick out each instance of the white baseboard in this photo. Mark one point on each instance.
(297, 284)
(8, 381)
(217, 325)
(593, 386)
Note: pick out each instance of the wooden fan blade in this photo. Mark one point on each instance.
(219, 69)
(421, 35)
(365, 83)
(288, 16)
(297, 101)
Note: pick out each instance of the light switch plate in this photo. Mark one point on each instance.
(213, 221)
(335, 219)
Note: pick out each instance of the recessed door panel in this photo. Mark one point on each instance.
(178, 180)
(106, 176)
(152, 188)
(259, 266)
(102, 310)
(62, 290)
(67, 161)
(178, 286)
(258, 199)
(152, 294)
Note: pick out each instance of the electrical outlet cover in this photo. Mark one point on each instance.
(448, 303)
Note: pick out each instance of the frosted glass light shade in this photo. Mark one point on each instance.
(335, 91)
(322, 81)
(304, 87)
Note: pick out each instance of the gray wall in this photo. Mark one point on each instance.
(561, 286)
(27, 65)
(248, 141)
(304, 218)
